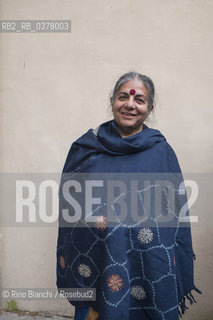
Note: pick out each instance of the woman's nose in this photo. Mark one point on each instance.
(130, 102)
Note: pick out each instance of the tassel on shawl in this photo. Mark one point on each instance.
(190, 297)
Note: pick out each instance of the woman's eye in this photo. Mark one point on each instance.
(122, 97)
(140, 101)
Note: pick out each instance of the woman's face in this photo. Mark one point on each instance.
(130, 108)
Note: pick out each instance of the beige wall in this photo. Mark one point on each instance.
(56, 86)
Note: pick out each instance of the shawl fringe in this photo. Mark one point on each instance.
(182, 305)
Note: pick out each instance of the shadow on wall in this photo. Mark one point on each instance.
(194, 316)
(207, 317)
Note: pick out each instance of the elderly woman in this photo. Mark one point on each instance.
(140, 268)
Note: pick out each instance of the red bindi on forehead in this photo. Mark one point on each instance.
(132, 92)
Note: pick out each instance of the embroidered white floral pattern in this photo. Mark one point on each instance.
(138, 292)
(84, 270)
(115, 283)
(145, 235)
(101, 223)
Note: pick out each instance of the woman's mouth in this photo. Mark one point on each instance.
(128, 115)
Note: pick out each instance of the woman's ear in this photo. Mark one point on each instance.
(148, 113)
(111, 102)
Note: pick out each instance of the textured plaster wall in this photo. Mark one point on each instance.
(54, 87)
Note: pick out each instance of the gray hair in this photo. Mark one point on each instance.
(147, 82)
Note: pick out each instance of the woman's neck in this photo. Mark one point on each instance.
(127, 132)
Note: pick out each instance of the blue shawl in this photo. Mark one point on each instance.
(140, 270)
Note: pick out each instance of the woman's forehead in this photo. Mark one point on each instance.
(135, 86)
